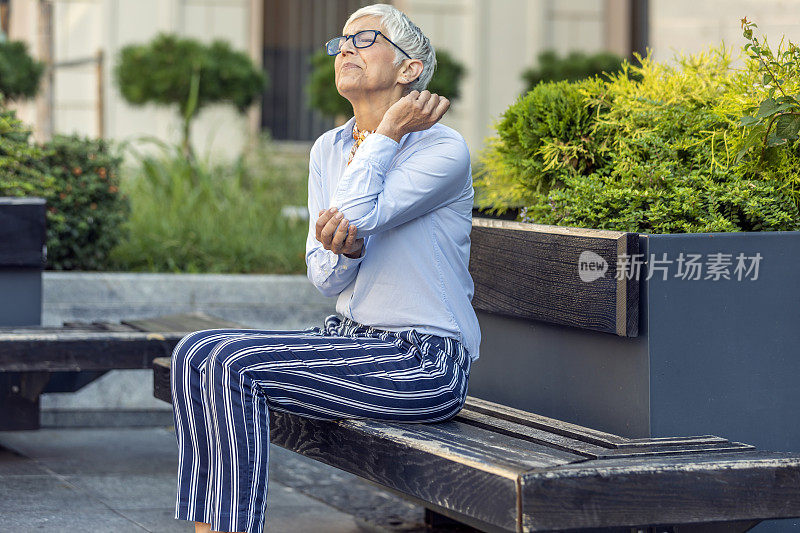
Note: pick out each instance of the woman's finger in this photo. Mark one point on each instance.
(431, 104)
(424, 96)
(329, 229)
(339, 237)
(351, 238)
(441, 108)
(324, 216)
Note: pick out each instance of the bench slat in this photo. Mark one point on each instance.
(558, 427)
(132, 344)
(531, 271)
(97, 325)
(593, 451)
(78, 350)
(187, 322)
(664, 490)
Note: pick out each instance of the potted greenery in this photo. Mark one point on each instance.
(699, 163)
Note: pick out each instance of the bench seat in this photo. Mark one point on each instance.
(498, 468)
(39, 359)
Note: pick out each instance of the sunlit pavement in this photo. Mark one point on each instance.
(124, 479)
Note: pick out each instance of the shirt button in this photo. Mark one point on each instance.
(344, 267)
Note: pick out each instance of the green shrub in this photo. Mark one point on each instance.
(79, 180)
(658, 155)
(199, 216)
(184, 72)
(576, 66)
(325, 98)
(19, 173)
(87, 195)
(542, 137)
(19, 72)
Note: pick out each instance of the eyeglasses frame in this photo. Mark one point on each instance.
(346, 37)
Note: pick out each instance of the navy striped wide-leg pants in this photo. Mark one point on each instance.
(224, 381)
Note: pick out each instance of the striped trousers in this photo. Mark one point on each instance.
(225, 381)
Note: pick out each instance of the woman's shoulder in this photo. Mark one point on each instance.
(439, 132)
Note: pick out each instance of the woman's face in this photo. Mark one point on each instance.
(360, 71)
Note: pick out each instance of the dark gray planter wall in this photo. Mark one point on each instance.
(725, 355)
(594, 379)
(22, 239)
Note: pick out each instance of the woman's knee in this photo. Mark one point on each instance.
(189, 345)
(233, 353)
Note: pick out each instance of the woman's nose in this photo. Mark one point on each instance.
(347, 47)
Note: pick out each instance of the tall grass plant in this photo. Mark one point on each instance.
(214, 216)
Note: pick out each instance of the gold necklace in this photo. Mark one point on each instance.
(359, 136)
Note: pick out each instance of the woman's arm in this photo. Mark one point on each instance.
(329, 272)
(433, 172)
(375, 198)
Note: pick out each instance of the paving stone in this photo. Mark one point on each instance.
(98, 450)
(71, 519)
(42, 493)
(12, 463)
(125, 480)
(130, 491)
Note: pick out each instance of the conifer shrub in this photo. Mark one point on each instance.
(691, 146)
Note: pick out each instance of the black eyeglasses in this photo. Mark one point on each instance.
(361, 39)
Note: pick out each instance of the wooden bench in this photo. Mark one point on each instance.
(37, 359)
(497, 468)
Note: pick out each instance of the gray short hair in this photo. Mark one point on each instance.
(407, 36)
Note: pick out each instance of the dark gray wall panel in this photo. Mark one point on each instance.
(594, 379)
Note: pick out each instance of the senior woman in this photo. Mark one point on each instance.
(392, 194)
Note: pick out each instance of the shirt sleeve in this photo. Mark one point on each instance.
(375, 197)
(329, 272)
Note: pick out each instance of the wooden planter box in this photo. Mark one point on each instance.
(22, 258)
(639, 357)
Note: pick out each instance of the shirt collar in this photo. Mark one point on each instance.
(344, 130)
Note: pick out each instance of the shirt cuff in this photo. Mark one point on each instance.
(379, 148)
(344, 262)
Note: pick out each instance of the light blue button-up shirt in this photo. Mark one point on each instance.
(412, 203)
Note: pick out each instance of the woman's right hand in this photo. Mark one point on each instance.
(415, 111)
(336, 234)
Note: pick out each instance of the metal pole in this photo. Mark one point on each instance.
(45, 104)
(639, 26)
(100, 96)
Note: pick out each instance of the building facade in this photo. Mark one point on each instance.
(494, 39)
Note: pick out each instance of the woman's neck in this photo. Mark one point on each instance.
(370, 109)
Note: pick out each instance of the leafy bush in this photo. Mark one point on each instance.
(548, 125)
(19, 72)
(199, 216)
(576, 66)
(87, 195)
(79, 180)
(657, 155)
(325, 98)
(19, 174)
(175, 71)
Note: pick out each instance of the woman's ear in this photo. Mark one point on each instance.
(410, 72)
